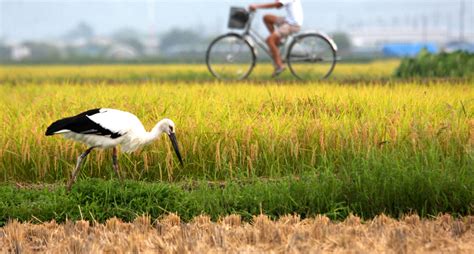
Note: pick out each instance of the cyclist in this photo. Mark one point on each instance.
(280, 27)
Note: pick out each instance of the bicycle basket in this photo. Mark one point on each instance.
(238, 17)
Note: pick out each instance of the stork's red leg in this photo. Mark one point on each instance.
(115, 162)
(76, 169)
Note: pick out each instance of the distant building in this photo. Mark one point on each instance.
(407, 49)
(121, 52)
(459, 45)
(151, 45)
(20, 52)
(379, 36)
(398, 41)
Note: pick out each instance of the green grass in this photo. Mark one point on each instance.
(392, 192)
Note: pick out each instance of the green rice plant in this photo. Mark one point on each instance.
(244, 130)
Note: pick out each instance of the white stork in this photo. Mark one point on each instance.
(108, 128)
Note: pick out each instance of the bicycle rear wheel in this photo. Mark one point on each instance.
(230, 57)
(311, 57)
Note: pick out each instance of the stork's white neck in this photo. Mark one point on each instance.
(144, 138)
(154, 133)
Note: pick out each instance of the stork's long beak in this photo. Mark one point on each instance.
(174, 142)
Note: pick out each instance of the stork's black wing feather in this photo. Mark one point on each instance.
(81, 124)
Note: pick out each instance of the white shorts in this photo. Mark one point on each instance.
(284, 29)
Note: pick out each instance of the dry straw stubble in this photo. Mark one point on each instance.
(230, 234)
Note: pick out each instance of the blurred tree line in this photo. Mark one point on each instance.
(82, 44)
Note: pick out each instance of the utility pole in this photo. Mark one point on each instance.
(449, 26)
(461, 21)
(424, 28)
(151, 40)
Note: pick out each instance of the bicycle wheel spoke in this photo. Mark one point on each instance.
(230, 57)
(311, 57)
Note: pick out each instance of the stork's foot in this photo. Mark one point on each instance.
(69, 184)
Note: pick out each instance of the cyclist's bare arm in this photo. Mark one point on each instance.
(276, 4)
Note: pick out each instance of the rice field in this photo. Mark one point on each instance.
(360, 143)
(243, 129)
(133, 74)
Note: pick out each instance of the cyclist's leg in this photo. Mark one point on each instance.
(271, 20)
(283, 31)
(272, 41)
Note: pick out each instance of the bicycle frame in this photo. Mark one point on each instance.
(253, 37)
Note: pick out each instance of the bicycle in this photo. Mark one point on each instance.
(309, 55)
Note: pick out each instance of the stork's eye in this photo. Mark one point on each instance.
(171, 128)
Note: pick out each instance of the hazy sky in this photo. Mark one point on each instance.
(40, 19)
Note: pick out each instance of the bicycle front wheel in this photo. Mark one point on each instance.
(230, 57)
(311, 57)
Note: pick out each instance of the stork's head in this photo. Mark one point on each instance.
(167, 126)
